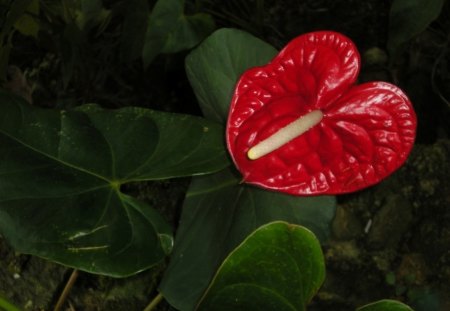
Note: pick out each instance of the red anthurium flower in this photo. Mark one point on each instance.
(300, 124)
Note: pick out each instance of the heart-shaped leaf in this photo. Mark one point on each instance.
(280, 266)
(170, 30)
(300, 126)
(61, 172)
(219, 211)
(385, 305)
(218, 214)
(214, 67)
(409, 18)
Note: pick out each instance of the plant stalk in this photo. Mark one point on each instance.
(62, 298)
(154, 302)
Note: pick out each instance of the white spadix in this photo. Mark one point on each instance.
(285, 134)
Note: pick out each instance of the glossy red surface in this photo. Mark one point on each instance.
(366, 133)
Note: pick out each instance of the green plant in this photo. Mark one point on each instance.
(287, 275)
(7, 306)
(408, 19)
(68, 168)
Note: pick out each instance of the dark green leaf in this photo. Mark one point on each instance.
(17, 9)
(409, 18)
(27, 24)
(91, 13)
(215, 66)
(385, 305)
(7, 306)
(170, 30)
(280, 266)
(61, 172)
(90, 9)
(217, 216)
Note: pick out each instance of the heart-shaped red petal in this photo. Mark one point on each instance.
(366, 131)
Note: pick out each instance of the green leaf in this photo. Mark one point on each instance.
(91, 13)
(215, 66)
(16, 11)
(170, 30)
(134, 29)
(385, 305)
(278, 267)
(409, 18)
(27, 24)
(218, 214)
(61, 172)
(7, 306)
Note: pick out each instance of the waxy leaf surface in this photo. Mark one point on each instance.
(409, 18)
(219, 211)
(280, 266)
(214, 67)
(170, 30)
(218, 214)
(385, 305)
(367, 130)
(61, 172)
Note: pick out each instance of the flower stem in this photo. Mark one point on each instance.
(62, 298)
(154, 302)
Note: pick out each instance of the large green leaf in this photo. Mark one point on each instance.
(278, 267)
(409, 18)
(61, 172)
(385, 305)
(214, 67)
(170, 30)
(219, 211)
(218, 214)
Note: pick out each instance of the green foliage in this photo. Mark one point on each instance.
(215, 66)
(218, 214)
(170, 30)
(385, 305)
(213, 69)
(27, 23)
(61, 173)
(87, 37)
(279, 266)
(89, 14)
(5, 305)
(409, 18)
(14, 18)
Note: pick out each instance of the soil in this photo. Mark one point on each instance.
(389, 241)
(392, 241)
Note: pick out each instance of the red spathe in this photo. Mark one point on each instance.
(366, 133)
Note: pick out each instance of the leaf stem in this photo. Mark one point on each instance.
(154, 302)
(62, 298)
